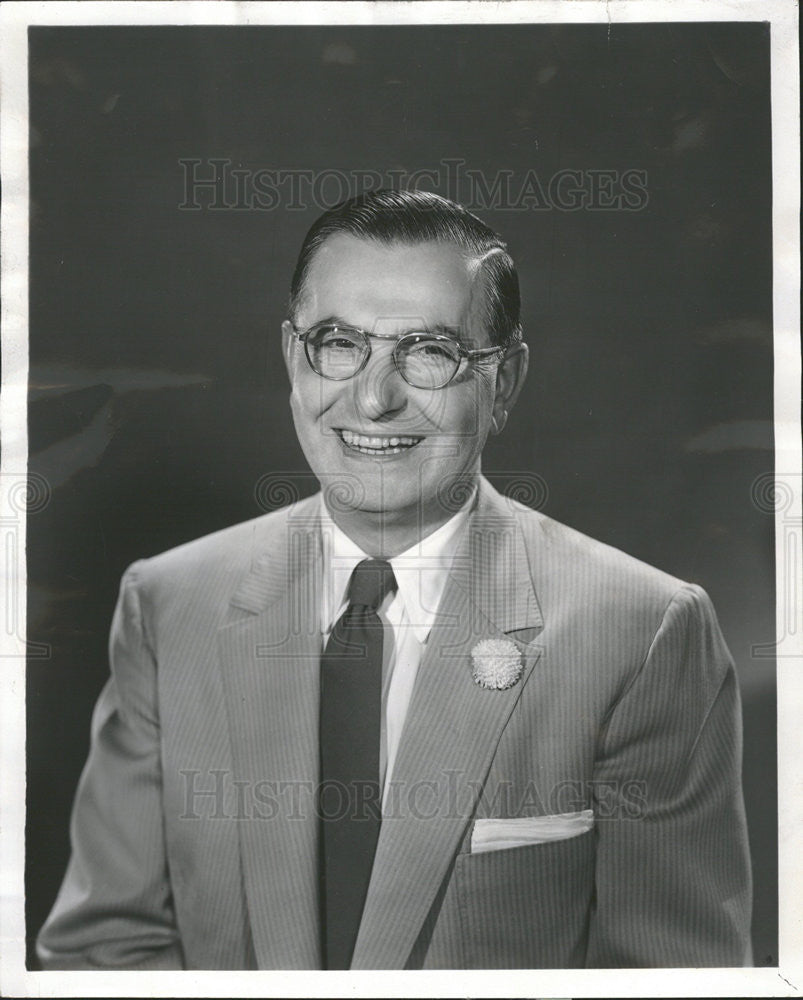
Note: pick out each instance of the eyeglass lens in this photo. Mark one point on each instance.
(338, 353)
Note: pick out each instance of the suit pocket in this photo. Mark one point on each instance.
(526, 907)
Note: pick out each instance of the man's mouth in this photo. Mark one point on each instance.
(374, 445)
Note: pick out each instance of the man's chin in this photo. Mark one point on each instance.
(375, 510)
(413, 511)
(413, 497)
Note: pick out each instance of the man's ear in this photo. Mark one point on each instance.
(288, 347)
(509, 380)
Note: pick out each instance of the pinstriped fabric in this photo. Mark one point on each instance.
(440, 942)
(205, 810)
(117, 880)
(691, 798)
(280, 545)
(526, 906)
(155, 850)
(452, 729)
(628, 705)
(279, 851)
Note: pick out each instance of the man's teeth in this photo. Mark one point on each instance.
(378, 445)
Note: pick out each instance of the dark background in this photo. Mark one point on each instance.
(158, 396)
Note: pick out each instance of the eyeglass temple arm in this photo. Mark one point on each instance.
(481, 352)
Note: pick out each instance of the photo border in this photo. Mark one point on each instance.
(784, 980)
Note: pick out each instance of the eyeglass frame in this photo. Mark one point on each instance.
(469, 355)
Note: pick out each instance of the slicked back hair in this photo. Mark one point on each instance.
(410, 217)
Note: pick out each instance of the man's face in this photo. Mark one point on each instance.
(384, 446)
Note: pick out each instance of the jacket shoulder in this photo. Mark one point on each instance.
(607, 608)
(566, 565)
(223, 556)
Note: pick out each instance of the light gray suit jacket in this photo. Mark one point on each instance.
(194, 831)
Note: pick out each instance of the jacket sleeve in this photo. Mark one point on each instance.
(673, 884)
(114, 909)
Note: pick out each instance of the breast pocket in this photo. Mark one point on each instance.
(526, 907)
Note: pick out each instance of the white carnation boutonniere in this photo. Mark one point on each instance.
(496, 664)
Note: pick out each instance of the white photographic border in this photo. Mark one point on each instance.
(784, 980)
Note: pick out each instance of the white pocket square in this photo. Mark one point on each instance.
(499, 834)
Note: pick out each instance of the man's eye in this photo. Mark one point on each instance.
(337, 340)
(339, 343)
(434, 351)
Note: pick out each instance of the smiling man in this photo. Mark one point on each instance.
(399, 382)
(407, 723)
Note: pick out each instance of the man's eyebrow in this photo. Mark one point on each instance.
(447, 331)
(334, 321)
(438, 328)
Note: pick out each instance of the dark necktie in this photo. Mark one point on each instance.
(350, 718)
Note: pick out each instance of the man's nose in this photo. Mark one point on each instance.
(379, 389)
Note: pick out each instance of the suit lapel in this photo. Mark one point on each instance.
(269, 664)
(452, 730)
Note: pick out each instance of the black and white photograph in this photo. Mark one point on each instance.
(401, 499)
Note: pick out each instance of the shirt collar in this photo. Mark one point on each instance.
(421, 571)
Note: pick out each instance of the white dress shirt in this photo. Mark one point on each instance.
(421, 573)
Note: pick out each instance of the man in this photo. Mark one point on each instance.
(407, 723)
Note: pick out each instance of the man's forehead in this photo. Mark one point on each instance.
(365, 280)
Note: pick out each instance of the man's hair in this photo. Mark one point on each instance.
(397, 216)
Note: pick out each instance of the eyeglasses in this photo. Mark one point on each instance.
(424, 360)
